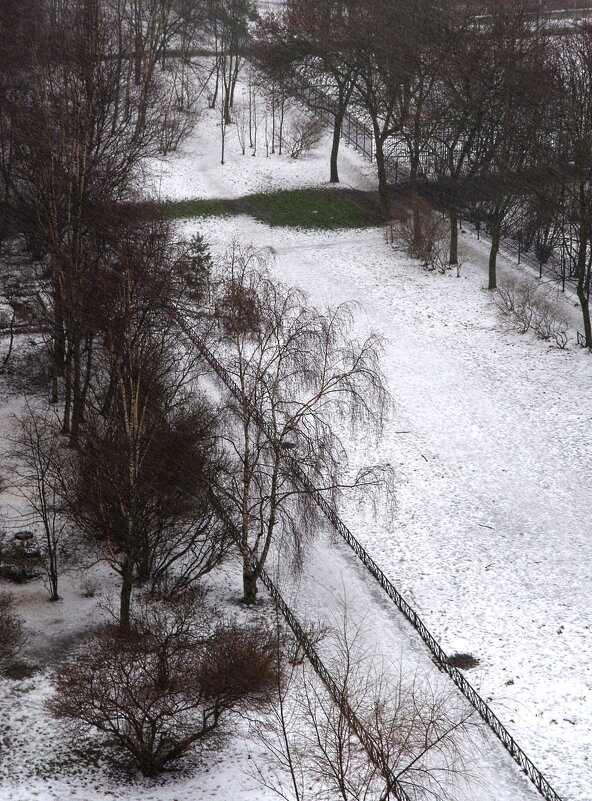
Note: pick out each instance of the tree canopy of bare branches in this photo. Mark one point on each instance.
(298, 369)
(166, 685)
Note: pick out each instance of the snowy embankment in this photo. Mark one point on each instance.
(488, 440)
(489, 538)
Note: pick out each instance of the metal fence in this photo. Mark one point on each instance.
(487, 714)
(353, 131)
(337, 693)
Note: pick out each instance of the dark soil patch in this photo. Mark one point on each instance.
(21, 670)
(463, 661)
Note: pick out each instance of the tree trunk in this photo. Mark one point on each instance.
(585, 306)
(249, 585)
(582, 264)
(59, 337)
(495, 243)
(144, 568)
(52, 572)
(227, 117)
(383, 192)
(415, 206)
(87, 374)
(77, 410)
(127, 585)
(453, 217)
(67, 392)
(334, 179)
(233, 81)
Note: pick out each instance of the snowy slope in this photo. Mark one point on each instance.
(488, 539)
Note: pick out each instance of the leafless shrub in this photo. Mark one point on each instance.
(21, 559)
(167, 684)
(427, 241)
(12, 637)
(303, 134)
(560, 335)
(178, 118)
(463, 661)
(38, 448)
(89, 586)
(529, 309)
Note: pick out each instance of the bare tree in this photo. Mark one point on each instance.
(424, 737)
(138, 485)
(297, 369)
(459, 105)
(168, 684)
(229, 21)
(39, 452)
(517, 53)
(387, 42)
(311, 39)
(83, 131)
(575, 105)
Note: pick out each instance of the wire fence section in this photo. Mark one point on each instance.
(353, 130)
(487, 714)
(337, 693)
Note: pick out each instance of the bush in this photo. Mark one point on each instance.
(21, 559)
(304, 133)
(430, 243)
(166, 685)
(89, 586)
(529, 309)
(12, 636)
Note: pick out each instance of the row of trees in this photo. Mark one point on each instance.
(492, 106)
(128, 306)
(133, 463)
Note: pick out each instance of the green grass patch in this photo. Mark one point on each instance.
(185, 209)
(324, 209)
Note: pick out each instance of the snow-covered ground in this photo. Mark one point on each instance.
(489, 538)
(196, 172)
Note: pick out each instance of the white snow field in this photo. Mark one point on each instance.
(488, 540)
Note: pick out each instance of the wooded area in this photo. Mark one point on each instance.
(134, 461)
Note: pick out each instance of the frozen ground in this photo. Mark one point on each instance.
(196, 171)
(489, 439)
(489, 538)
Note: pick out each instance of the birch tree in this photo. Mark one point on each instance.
(298, 369)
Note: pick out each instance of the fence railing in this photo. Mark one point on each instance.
(487, 714)
(353, 130)
(337, 693)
